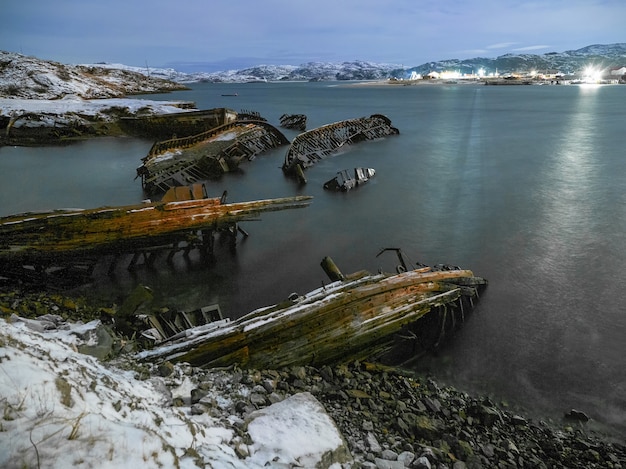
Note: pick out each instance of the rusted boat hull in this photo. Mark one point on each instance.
(354, 318)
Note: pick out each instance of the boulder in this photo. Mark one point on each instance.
(284, 429)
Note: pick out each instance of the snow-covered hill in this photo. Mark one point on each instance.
(311, 71)
(31, 78)
(571, 62)
(28, 77)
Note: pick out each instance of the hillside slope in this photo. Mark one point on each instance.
(31, 78)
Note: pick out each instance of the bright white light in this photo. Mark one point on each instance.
(592, 75)
(450, 74)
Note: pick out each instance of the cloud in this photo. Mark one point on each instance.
(501, 45)
(537, 47)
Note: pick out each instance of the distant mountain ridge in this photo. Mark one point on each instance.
(604, 56)
(568, 62)
(31, 78)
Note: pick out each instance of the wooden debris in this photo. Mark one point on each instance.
(356, 317)
(183, 161)
(185, 217)
(293, 121)
(310, 147)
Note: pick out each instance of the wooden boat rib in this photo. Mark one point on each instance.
(351, 319)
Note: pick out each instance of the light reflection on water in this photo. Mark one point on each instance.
(523, 185)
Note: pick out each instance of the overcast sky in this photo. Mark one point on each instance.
(213, 35)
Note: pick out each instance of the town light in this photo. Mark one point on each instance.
(592, 75)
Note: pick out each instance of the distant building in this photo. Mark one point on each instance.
(618, 71)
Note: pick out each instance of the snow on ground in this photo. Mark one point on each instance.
(28, 77)
(87, 107)
(61, 408)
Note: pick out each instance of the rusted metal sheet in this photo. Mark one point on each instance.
(293, 121)
(353, 318)
(310, 147)
(207, 155)
(45, 237)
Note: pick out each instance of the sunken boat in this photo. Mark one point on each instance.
(185, 218)
(345, 181)
(310, 147)
(176, 124)
(207, 155)
(361, 316)
(293, 121)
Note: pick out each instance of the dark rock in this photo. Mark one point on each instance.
(576, 415)
(165, 369)
(197, 394)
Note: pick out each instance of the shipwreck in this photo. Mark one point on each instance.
(293, 121)
(310, 147)
(346, 180)
(59, 241)
(355, 317)
(176, 124)
(208, 155)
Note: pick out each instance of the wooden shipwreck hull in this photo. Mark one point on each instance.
(183, 161)
(179, 124)
(185, 214)
(293, 121)
(353, 318)
(316, 144)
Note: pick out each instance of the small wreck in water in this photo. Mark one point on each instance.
(345, 181)
(356, 317)
(293, 121)
(310, 147)
(186, 218)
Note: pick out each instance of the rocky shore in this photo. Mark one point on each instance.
(388, 417)
(393, 419)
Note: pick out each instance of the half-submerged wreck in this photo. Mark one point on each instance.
(357, 317)
(316, 144)
(208, 155)
(344, 181)
(186, 218)
(293, 121)
(180, 124)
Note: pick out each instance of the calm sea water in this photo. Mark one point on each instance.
(522, 184)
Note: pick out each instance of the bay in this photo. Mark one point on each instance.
(521, 184)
